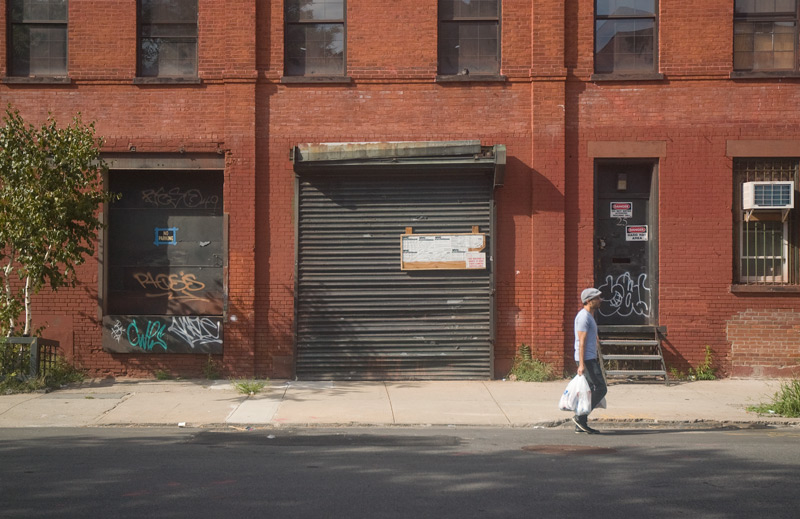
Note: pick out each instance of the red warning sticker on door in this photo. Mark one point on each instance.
(621, 209)
(635, 233)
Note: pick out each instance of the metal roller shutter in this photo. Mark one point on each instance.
(359, 316)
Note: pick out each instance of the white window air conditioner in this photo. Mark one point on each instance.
(768, 195)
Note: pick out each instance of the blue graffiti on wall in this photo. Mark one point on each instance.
(152, 337)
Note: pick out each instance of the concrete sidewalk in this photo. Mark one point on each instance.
(203, 403)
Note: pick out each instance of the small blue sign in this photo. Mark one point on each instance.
(166, 236)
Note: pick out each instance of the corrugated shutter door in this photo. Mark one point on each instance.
(362, 318)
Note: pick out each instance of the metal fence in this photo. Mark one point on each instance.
(27, 356)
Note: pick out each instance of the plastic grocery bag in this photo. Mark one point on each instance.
(577, 397)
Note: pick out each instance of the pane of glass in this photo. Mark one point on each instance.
(447, 9)
(315, 49)
(784, 60)
(169, 30)
(490, 8)
(742, 42)
(162, 57)
(310, 10)
(168, 11)
(786, 6)
(743, 60)
(744, 6)
(765, 6)
(625, 8)
(628, 44)
(784, 42)
(38, 10)
(468, 48)
(762, 42)
(39, 50)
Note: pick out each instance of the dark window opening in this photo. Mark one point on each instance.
(765, 35)
(37, 37)
(315, 37)
(625, 36)
(469, 37)
(167, 38)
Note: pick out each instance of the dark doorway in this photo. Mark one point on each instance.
(626, 245)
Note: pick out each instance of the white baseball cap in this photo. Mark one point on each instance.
(589, 294)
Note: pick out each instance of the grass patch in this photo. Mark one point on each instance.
(527, 368)
(786, 401)
(56, 376)
(249, 387)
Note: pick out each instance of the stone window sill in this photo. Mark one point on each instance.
(775, 74)
(167, 81)
(766, 289)
(471, 78)
(645, 76)
(37, 80)
(316, 79)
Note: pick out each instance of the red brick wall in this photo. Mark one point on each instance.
(547, 112)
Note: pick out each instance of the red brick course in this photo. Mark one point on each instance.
(546, 112)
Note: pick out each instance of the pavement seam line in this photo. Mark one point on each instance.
(389, 398)
(496, 402)
(107, 411)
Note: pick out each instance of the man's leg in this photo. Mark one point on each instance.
(594, 376)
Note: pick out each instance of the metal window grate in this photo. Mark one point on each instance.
(767, 243)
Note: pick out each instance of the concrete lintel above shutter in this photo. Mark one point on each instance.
(434, 154)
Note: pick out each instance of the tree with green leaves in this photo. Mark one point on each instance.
(51, 190)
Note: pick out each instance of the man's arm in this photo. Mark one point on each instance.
(581, 351)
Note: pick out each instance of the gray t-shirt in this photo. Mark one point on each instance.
(584, 322)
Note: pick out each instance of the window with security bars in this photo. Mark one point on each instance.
(168, 38)
(766, 240)
(37, 37)
(765, 35)
(315, 38)
(469, 37)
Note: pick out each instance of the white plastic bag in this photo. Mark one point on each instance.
(577, 397)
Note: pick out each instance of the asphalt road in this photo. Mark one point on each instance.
(398, 472)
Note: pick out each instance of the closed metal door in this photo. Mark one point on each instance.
(625, 238)
(359, 316)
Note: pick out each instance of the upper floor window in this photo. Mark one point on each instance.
(469, 37)
(167, 38)
(314, 37)
(765, 35)
(766, 225)
(625, 36)
(37, 37)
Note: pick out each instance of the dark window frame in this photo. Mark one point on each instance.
(140, 73)
(340, 75)
(771, 17)
(648, 73)
(765, 169)
(454, 20)
(46, 22)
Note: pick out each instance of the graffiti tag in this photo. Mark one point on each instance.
(175, 287)
(152, 337)
(117, 330)
(177, 198)
(626, 296)
(196, 330)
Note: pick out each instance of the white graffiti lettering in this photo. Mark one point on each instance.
(623, 296)
(117, 331)
(175, 198)
(196, 330)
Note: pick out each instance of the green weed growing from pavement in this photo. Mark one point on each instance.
(161, 374)
(705, 371)
(249, 387)
(786, 401)
(211, 369)
(527, 368)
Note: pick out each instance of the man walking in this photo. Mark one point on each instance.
(586, 343)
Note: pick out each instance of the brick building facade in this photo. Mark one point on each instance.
(207, 109)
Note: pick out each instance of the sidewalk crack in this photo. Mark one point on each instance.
(389, 398)
(496, 402)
